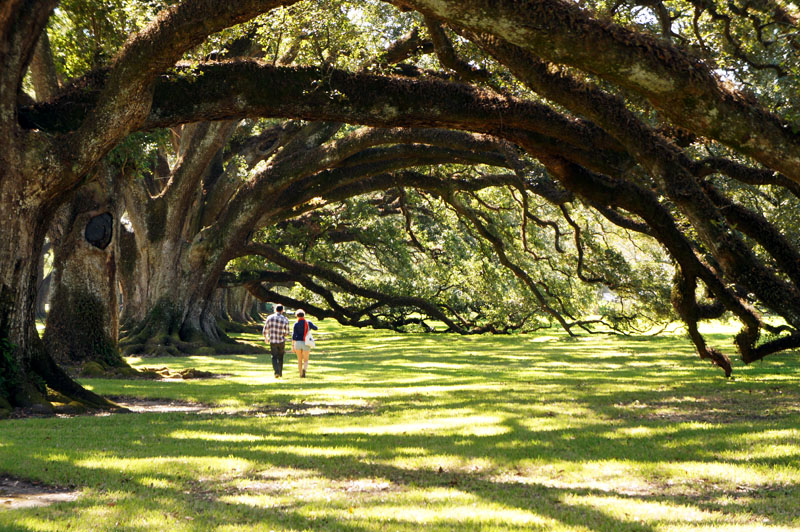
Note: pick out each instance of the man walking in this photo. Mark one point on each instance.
(275, 330)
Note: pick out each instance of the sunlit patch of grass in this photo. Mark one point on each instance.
(404, 432)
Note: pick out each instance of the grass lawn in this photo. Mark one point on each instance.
(432, 432)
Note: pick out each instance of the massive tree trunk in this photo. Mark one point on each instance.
(83, 324)
(20, 345)
(168, 305)
(30, 188)
(25, 366)
(177, 316)
(168, 271)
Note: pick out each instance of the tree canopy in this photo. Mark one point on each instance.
(493, 165)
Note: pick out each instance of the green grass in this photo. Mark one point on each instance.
(432, 432)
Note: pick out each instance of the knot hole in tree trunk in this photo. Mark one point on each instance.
(99, 230)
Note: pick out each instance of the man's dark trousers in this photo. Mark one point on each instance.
(277, 349)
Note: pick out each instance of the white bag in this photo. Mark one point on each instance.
(310, 340)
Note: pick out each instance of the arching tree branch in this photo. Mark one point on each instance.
(681, 87)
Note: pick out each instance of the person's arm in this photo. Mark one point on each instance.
(312, 326)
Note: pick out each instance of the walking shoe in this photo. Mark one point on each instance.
(277, 375)
(303, 374)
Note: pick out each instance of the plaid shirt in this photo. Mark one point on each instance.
(276, 328)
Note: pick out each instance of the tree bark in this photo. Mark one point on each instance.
(675, 83)
(168, 288)
(83, 324)
(25, 365)
(169, 307)
(168, 271)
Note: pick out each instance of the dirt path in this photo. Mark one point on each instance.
(17, 493)
(138, 405)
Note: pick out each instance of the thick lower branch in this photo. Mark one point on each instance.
(304, 272)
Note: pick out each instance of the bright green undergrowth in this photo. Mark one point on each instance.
(433, 432)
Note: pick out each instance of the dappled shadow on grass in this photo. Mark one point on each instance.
(214, 497)
(346, 457)
(538, 435)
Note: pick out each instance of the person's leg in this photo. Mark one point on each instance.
(306, 354)
(274, 350)
(299, 351)
(277, 360)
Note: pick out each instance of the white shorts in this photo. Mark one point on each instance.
(300, 345)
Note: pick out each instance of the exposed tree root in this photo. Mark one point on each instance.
(94, 370)
(158, 337)
(58, 380)
(44, 388)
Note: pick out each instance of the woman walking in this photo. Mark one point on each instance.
(299, 345)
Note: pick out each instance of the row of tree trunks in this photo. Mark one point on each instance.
(167, 273)
(169, 302)
(235, 308)
(39, 169)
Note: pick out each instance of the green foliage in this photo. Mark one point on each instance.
(444, 260)
(88, 33)
(331, 32)
(135, 156)
(751, 45)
